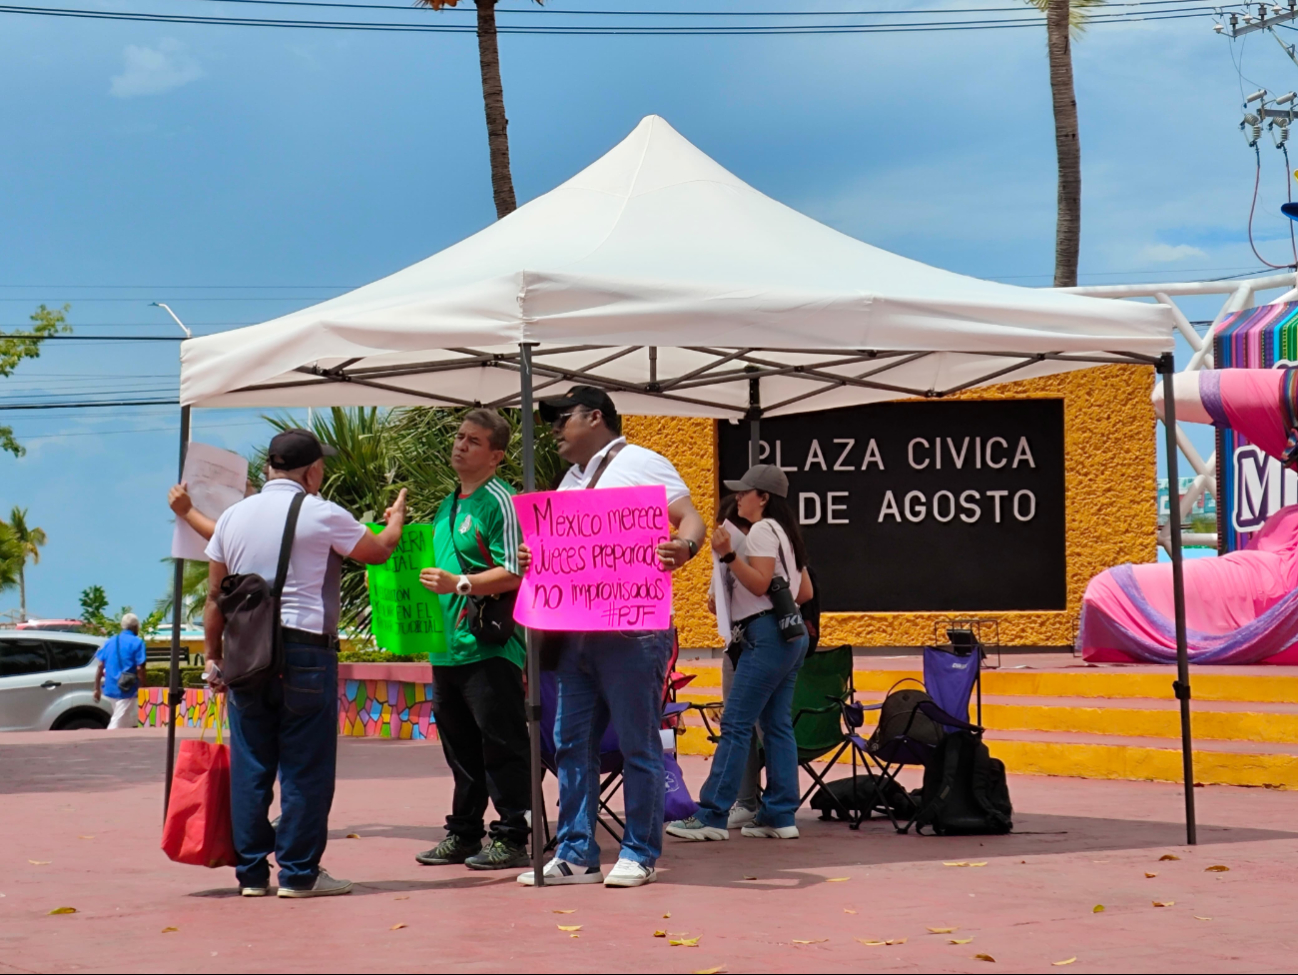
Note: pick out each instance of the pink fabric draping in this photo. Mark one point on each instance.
(1241, 607)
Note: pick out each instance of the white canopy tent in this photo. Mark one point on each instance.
(657, 274)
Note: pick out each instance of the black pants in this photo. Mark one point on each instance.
(480, 715)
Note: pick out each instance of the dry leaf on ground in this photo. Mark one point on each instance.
(353, 836)
(870, 941)
(1149, 875)
(1169, 856)
(983, 956)
(848, 910)
(168, 930)
(64, 910)
(983, 864)
(396, 927)
(668, 914)
(746, 877)
(1216, 868)
(943, 930)
(571, 911)
(710, 971)
(814, 941)
(403, 897)
(895, 941)
(1164, 903)
(958, 941)
(685, 942)
(568, 927)
(39, 863)
(1097, 908)
(1066, 961)
(1198, 918)
(85, 837)
(836, 880)
(955, 863)
(660, 934)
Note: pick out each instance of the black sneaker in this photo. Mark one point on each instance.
(453, 849)
(500, 855)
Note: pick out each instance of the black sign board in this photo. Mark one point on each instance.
(932, 506)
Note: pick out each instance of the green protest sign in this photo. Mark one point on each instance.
(406, 618)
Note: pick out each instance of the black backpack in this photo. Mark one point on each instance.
(965, 791)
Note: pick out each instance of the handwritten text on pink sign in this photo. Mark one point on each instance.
(595, 560)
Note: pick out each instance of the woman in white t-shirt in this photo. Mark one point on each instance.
(767, 669)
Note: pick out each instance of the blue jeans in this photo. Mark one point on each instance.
(617, 677)
(762, 691)
(287, 724)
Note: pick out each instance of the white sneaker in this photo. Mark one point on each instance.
(692, 829)
(324, 886)
(629, 873)
(771, 832)
(558, 872)
(741, 816)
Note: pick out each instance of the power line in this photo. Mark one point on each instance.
(93, 404)
(1028, 20)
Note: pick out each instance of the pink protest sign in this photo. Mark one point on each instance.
(595, 560)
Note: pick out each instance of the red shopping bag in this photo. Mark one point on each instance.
(198, 828)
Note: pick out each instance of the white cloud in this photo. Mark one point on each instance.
(153, 70)
(1169, 253)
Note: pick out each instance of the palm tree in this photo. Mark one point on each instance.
(10, 558)
(1066, 21)
(29, 542)
(493, 102)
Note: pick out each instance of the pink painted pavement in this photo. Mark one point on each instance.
(80, 822)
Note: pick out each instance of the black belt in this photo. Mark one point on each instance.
(325, 640)
(756, 616)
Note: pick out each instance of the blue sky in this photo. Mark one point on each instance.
(237, 174)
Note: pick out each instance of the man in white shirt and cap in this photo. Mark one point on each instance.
(611, 677)
(287, 724)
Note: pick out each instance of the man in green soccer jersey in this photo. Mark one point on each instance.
(478, 696)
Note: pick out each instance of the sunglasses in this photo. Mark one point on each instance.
(561, 420)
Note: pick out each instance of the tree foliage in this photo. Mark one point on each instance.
(26, 344)
(95, 619)
(1079, 13)
(382, 451)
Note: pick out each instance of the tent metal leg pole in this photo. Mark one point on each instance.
(1181, 686)
(174, 693)
(533, 650)
(754, 423)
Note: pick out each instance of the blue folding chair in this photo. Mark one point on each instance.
(914, 720)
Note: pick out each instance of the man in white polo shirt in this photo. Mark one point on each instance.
(288, 723)
(612, 677)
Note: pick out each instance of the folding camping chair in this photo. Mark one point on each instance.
(610, 758)
(913, 721)
(822, 717)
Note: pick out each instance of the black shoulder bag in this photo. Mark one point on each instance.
(491, 618)
(253, 638)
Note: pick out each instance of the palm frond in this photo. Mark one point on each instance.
(1079, 13)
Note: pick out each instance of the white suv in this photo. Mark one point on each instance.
(47, 681)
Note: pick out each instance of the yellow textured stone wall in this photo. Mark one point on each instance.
(1109, 466)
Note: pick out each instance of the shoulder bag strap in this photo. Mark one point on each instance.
(455, 509)
(603, 464)
(286, 544)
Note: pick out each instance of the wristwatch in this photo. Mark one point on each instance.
(693, 546)
(728, 558)
(464, 586)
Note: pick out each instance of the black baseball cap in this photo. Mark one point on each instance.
(296, 448)
(591, 397)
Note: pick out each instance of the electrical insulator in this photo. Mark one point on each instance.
(1217, 28)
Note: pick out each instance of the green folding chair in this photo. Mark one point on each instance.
(821, 700)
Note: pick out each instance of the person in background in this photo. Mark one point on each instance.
(750, 789)
(287, 724)
(767, 668)
(611, 676)
(478, 700)
(122, 656)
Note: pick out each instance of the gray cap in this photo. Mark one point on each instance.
(761, 477)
